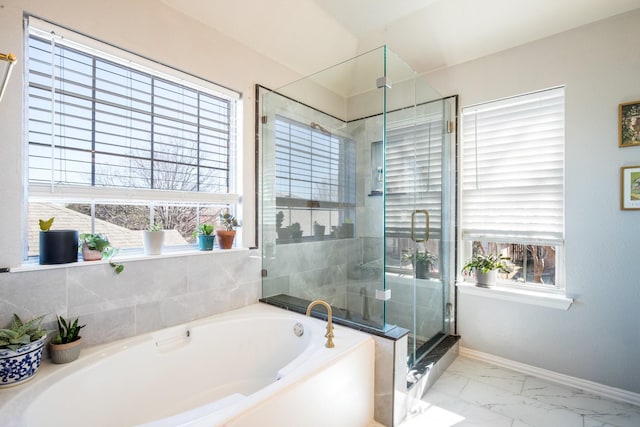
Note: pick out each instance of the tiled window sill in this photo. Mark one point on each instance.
(123, 258)
(524, 296)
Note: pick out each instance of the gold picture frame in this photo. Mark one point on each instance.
(629, 124)
(630, 188)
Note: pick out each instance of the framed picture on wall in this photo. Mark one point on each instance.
(630, 188)
(629, 124)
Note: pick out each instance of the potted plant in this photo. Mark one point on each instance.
(284, 234)
(485, 268)
(204, 233)
(57, 246)
(65, 347)
(152, 239)
(227, 234)
(95, 246)
(346, 230)
(296, 232)
(422, 261)
(318, 231)
(21, 350)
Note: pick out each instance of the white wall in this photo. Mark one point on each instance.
(149, 294)
(598, 338)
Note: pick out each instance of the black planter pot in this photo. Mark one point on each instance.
(58, 246)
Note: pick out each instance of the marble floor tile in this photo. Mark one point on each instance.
(474, 393)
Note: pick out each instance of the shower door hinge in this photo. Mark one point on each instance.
(383, 81)
(264, 120)
(449, 126)
(263, 272)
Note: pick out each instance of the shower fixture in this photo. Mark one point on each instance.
(321, 128)
(5, 70)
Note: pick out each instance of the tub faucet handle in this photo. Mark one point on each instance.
(329, 334)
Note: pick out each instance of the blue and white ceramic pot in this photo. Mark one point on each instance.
(18, 366)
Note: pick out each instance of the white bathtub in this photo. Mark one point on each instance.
(244, 368)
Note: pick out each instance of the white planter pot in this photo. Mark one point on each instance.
(486, 280)
(153, 241)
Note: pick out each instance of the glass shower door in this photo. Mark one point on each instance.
(418, 220)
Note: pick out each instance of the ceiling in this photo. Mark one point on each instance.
(310, 35)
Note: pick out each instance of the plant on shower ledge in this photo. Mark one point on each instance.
(318, 231)
(296, 232)
(284, 234)
(486, 267)
(423, 262)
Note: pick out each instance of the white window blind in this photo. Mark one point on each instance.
(414, 174)
(313, 165)
(512, 169)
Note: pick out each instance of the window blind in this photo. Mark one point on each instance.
(413, 178)
(512, 169)
(313, 165)
(98, 123)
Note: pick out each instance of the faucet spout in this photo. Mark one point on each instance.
(329, 334)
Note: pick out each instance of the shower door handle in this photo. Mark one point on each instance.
(426, 229)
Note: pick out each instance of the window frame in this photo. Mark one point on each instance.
(465, 244)
(52, 192)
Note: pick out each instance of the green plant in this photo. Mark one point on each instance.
(45, 225)
(227, 220)
(294, 228)
(420, 257)
(486, 263)
(21, 333)
(110, 253)
(155, 228)
(95, 241)
(100, 242)
(67, 331)
(279, 219)
(204, 229)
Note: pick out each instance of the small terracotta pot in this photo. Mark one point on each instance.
(90, 254)
(225, 238)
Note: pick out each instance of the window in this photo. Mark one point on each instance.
(315, 178)
(512, 184)
(117, 142)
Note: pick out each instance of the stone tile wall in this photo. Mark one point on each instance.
(150, 294)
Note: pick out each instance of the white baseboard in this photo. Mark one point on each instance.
(589, 386)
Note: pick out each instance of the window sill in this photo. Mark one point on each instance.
(121, 259)
(544, 299)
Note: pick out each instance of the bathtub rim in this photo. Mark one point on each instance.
(15, 401)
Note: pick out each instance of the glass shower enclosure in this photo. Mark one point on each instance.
(355, 197)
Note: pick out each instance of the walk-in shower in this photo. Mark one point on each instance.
(356, 207)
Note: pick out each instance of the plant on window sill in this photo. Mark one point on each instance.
(486, 267)
(95, 246)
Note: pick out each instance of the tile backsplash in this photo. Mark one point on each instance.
(150, 294)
